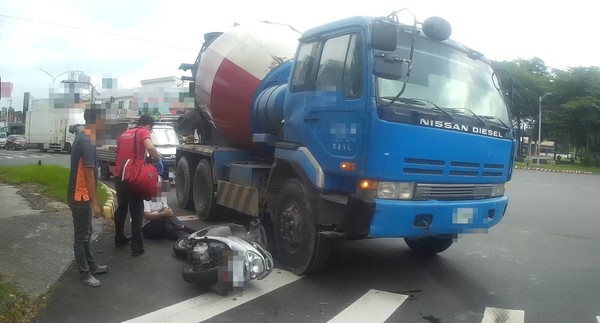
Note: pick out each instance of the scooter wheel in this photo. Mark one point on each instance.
(180, 246)
(203, 277)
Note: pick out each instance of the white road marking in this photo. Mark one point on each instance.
(598, 319)
(492, 315)
(208, 305)
(12, 155)
(374, 306)
(188, 217)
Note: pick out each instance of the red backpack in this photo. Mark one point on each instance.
(141, 176)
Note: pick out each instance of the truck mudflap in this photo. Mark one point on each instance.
(393, 218)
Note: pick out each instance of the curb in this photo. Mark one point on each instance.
(553, 170)
(111, 202)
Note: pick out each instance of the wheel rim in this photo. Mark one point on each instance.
(292, 229)
(183, 243)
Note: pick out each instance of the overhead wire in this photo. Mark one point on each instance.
(96, 31)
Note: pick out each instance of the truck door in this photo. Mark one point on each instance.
(330, 87)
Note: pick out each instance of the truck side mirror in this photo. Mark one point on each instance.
(384, 35)
(387, 66)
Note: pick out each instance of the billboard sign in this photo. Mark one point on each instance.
(6, 89)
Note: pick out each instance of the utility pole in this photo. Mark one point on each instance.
(539, 144)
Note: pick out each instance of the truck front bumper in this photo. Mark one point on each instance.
(393, 218)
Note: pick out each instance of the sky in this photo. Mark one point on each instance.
(132, 40)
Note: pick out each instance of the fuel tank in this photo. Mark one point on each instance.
(231, 69)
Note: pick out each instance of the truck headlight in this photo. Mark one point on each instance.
(497, 190)
(370, 189)
(395, 190)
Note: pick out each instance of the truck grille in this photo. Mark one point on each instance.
(420, 166)
(452, 191)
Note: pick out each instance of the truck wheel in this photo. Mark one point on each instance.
(429, 245)
(104, 171)
(300, 246)
(204, 197)
(183, 184)
(68, 148)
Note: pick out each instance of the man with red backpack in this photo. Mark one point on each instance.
(126, 198)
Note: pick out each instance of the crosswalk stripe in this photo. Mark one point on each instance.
(598, 319)
(492, 315)
(374, 306)
(206, 306)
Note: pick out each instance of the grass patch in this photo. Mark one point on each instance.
(570, 167)
(54, 180)
(14, 305)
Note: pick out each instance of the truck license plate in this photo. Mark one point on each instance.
(463, 215)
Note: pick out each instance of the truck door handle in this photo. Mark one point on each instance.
(311, 118)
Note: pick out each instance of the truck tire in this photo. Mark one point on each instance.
(299, 245)
(204, 198)
(429, 245)
(183, 184)
(104, 171)
(68, 148)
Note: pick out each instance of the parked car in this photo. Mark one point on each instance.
(16, 142)
(3, 139)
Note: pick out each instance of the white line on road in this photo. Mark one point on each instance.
(208, 305)
(598, 319)
(492, 315)
(374, 306)
(188, 217)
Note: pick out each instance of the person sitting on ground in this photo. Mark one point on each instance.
(160, 222)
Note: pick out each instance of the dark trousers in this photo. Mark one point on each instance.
(169, 228)
(82, 224)
(127, 200)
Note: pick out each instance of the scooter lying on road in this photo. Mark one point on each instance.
(224, 257)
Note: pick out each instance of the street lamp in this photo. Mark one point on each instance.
(53, 77)
(540, 127)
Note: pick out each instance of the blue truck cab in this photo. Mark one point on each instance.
(410, 141)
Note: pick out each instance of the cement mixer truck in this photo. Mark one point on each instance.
(361, 128)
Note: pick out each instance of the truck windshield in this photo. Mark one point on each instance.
(447, 77)
(164, 137)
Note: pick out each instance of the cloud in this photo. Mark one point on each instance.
(148, 39)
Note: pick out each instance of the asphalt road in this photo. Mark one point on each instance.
(32, 156)
(541, 263)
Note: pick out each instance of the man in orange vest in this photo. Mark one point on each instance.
(82, 196)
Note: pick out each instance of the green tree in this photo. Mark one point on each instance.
(576, 116)
(530, 79)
